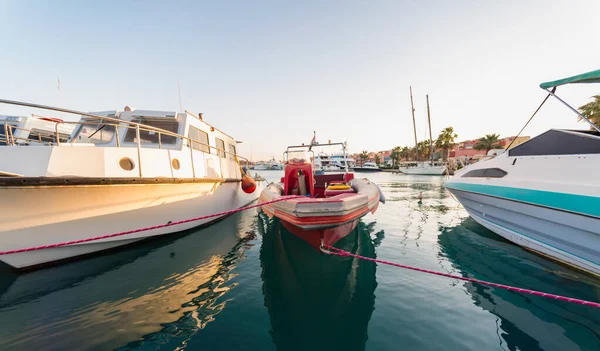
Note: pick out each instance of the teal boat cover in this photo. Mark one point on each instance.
(589, 77)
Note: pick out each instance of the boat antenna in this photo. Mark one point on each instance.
(179, 92)
(412, 107)
(58, 88)
(430, 135)
(530, 118)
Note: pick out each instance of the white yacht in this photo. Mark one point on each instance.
(368, 167)
(543, 194)
(26, 130)
(120, 171)
(334, 162)
(262, 166)
(423, 168)
(274, 165)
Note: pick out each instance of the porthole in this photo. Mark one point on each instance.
(175, 163)
(126, 163)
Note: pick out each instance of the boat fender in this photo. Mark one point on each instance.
(248, 184)
(381, 196)
(301, 183)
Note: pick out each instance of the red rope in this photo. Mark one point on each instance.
(339, 252)
(67, 243)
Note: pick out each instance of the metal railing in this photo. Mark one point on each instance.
(115, 123)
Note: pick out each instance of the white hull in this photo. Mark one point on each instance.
(64, 213)
(570, 238)
(424, 170)
(537, 246)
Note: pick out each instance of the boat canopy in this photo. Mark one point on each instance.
(589, 77)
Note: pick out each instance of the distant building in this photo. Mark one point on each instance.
(467, 148)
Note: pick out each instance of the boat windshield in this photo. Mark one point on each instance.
(298, 157)
(94, 133)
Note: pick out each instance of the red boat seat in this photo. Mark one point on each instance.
(290, 180)
(322, 179)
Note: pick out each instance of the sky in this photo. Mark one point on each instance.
(270, 73)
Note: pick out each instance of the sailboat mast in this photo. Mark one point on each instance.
(430, 135)
(412, 108)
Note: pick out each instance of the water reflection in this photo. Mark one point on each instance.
(316, 301)
(160, 292)
(524, 322)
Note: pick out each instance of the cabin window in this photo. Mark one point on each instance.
(201, 138)
(220, 147)
(150, 136)
(485, 173)
(94, 133)
(46, 136)
(232, 152)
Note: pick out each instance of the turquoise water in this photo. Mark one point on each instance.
(247, 283)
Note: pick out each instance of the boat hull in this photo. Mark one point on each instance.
(44, 215)
(327, 236)
(434, 170)
(564, 236)
(322, 220)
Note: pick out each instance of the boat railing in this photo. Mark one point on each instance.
(103, 121)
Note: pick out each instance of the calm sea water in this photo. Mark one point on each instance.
(247, 283)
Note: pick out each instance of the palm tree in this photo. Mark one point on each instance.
(424, 150)
(363, 156)
(591, 110)
(488, 142)
(396, 155)
(405, 153)
(445, 140)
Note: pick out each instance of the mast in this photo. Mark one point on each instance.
(412, 108)
(430, 135)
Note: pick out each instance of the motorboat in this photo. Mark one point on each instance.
(334, 162)
(423, 168)
(275, 166)
(262, 166)
(543, 194)
(367, 167)
(120, 170)
(26, 130)
(327, 206)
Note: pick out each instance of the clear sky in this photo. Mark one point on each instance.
(271, 72)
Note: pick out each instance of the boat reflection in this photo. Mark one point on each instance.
(524, 322)
(316, 301)
(159, 291)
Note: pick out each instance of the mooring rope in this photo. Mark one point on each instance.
(338, 252)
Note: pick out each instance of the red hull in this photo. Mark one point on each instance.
(330, 235)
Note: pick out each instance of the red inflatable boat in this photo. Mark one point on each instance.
(333, 204)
